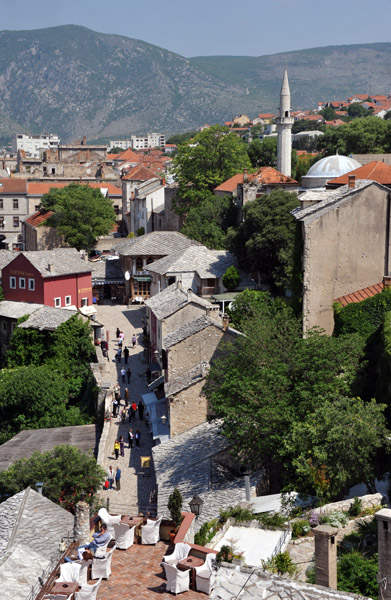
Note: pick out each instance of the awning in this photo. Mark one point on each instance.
(156, 382)
(88, 310)
(138, 278)
(107, 282)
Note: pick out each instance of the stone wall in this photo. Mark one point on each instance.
(368, 501)
(188, 313)
(345, 246)
(192, 351)
(188, 408)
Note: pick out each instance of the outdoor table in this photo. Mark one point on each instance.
(65, 587)
(134, 522)
(190, 563)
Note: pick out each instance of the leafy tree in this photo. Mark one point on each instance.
(209, 221)
(271, 385)
(81, 214)
(304, 125)
(214, 155)
(65, 471)
(360, 136)
(342, 436)
(116, 150)
(34, 397)
(263, 153)
(247, 305)
(357, 110)
(358, 574)
(264, 241)
(328, 114)
(181, 138)
(231, 278)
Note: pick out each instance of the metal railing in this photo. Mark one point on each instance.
(281, 542)
(145, 510)
(42, 580)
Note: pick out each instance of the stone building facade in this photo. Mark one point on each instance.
(345, 247)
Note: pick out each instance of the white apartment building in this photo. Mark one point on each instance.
(123, 144)
(34, 145)
(143, 142)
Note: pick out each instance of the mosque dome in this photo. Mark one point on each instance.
(328, 168)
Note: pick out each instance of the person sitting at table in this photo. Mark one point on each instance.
(86, 556)
(101, 538)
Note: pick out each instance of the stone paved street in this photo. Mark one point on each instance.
(134, 494)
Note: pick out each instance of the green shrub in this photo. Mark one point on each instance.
(207, 532)
(276, 521)
(239, 514)
(371, 510)
(364, 317)
(281, 564)
(358, 574)
(300, 528)
(335, 518)
(355, 507)
(175, 507)
(140, 231)
(225, 554)
(231, 278)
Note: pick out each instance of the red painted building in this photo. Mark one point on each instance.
(58, 278)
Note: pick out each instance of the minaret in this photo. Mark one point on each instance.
(284, 126)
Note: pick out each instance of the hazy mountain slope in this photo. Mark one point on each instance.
(73, 81)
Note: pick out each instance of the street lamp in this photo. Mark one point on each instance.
(196, 505)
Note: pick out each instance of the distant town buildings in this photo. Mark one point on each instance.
(34, 145)
(151, 140)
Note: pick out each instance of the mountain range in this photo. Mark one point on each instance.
(73, 81)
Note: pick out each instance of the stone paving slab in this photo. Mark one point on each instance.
(135, 487)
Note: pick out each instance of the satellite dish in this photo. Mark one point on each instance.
(127, 275)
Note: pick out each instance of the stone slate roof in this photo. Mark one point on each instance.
(172, 299)
(157, 243)
(329, 198)
(231, 580)
(6, 256)
(65, 261)
(107, 270)
(207, 263)
(187, 330)
(31, 528)
(15, 310)
(47, 318)
(184, 381)
(190, 463)
(22, 445)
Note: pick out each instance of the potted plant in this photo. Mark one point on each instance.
(175, 508)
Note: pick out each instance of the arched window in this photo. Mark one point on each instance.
(139, 264)
(150, 260)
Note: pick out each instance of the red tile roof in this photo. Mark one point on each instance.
(266, 116)
(139, 173)
(312, 118)
(12, 186)
(363, 294)
(264, 175)
(335, 123)
(359, 96)
(374, 171)
(39, 217)
(128, 155)
(37, 189)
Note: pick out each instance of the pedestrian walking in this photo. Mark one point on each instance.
(122, 445)
(118, 332)
(120, 341)
(133, 409)
(115, 406)
(126, 355)
(130, 437)
(141, 410)
(123, 373)
(137, 436)
(121, 335)
(126, 396)
(119, 352)
(116, 388)
(134, 340)
(123, 415)
(110, 477)
(128, 374)
(116, 449)
(118, 479)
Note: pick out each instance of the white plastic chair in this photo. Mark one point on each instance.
(101, 551)
(108, 519)
(84, 564)
(150, 532)
(69, 572)
(205, 574)
(181, 551)
(124, 536)
(101, 567)
(177, 581)
(88, 592)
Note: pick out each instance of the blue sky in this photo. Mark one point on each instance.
(213, 27)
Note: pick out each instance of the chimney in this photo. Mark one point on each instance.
(326, 556)
(179, 284)
(387, 281)
(384, 550)
(39, 486)
(84, 142)
(245, 178)
(352, 182)
(51, 268)
(225, 321)
(81, 528)
(189, 294)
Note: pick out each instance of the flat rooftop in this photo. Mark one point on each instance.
(255, 544)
